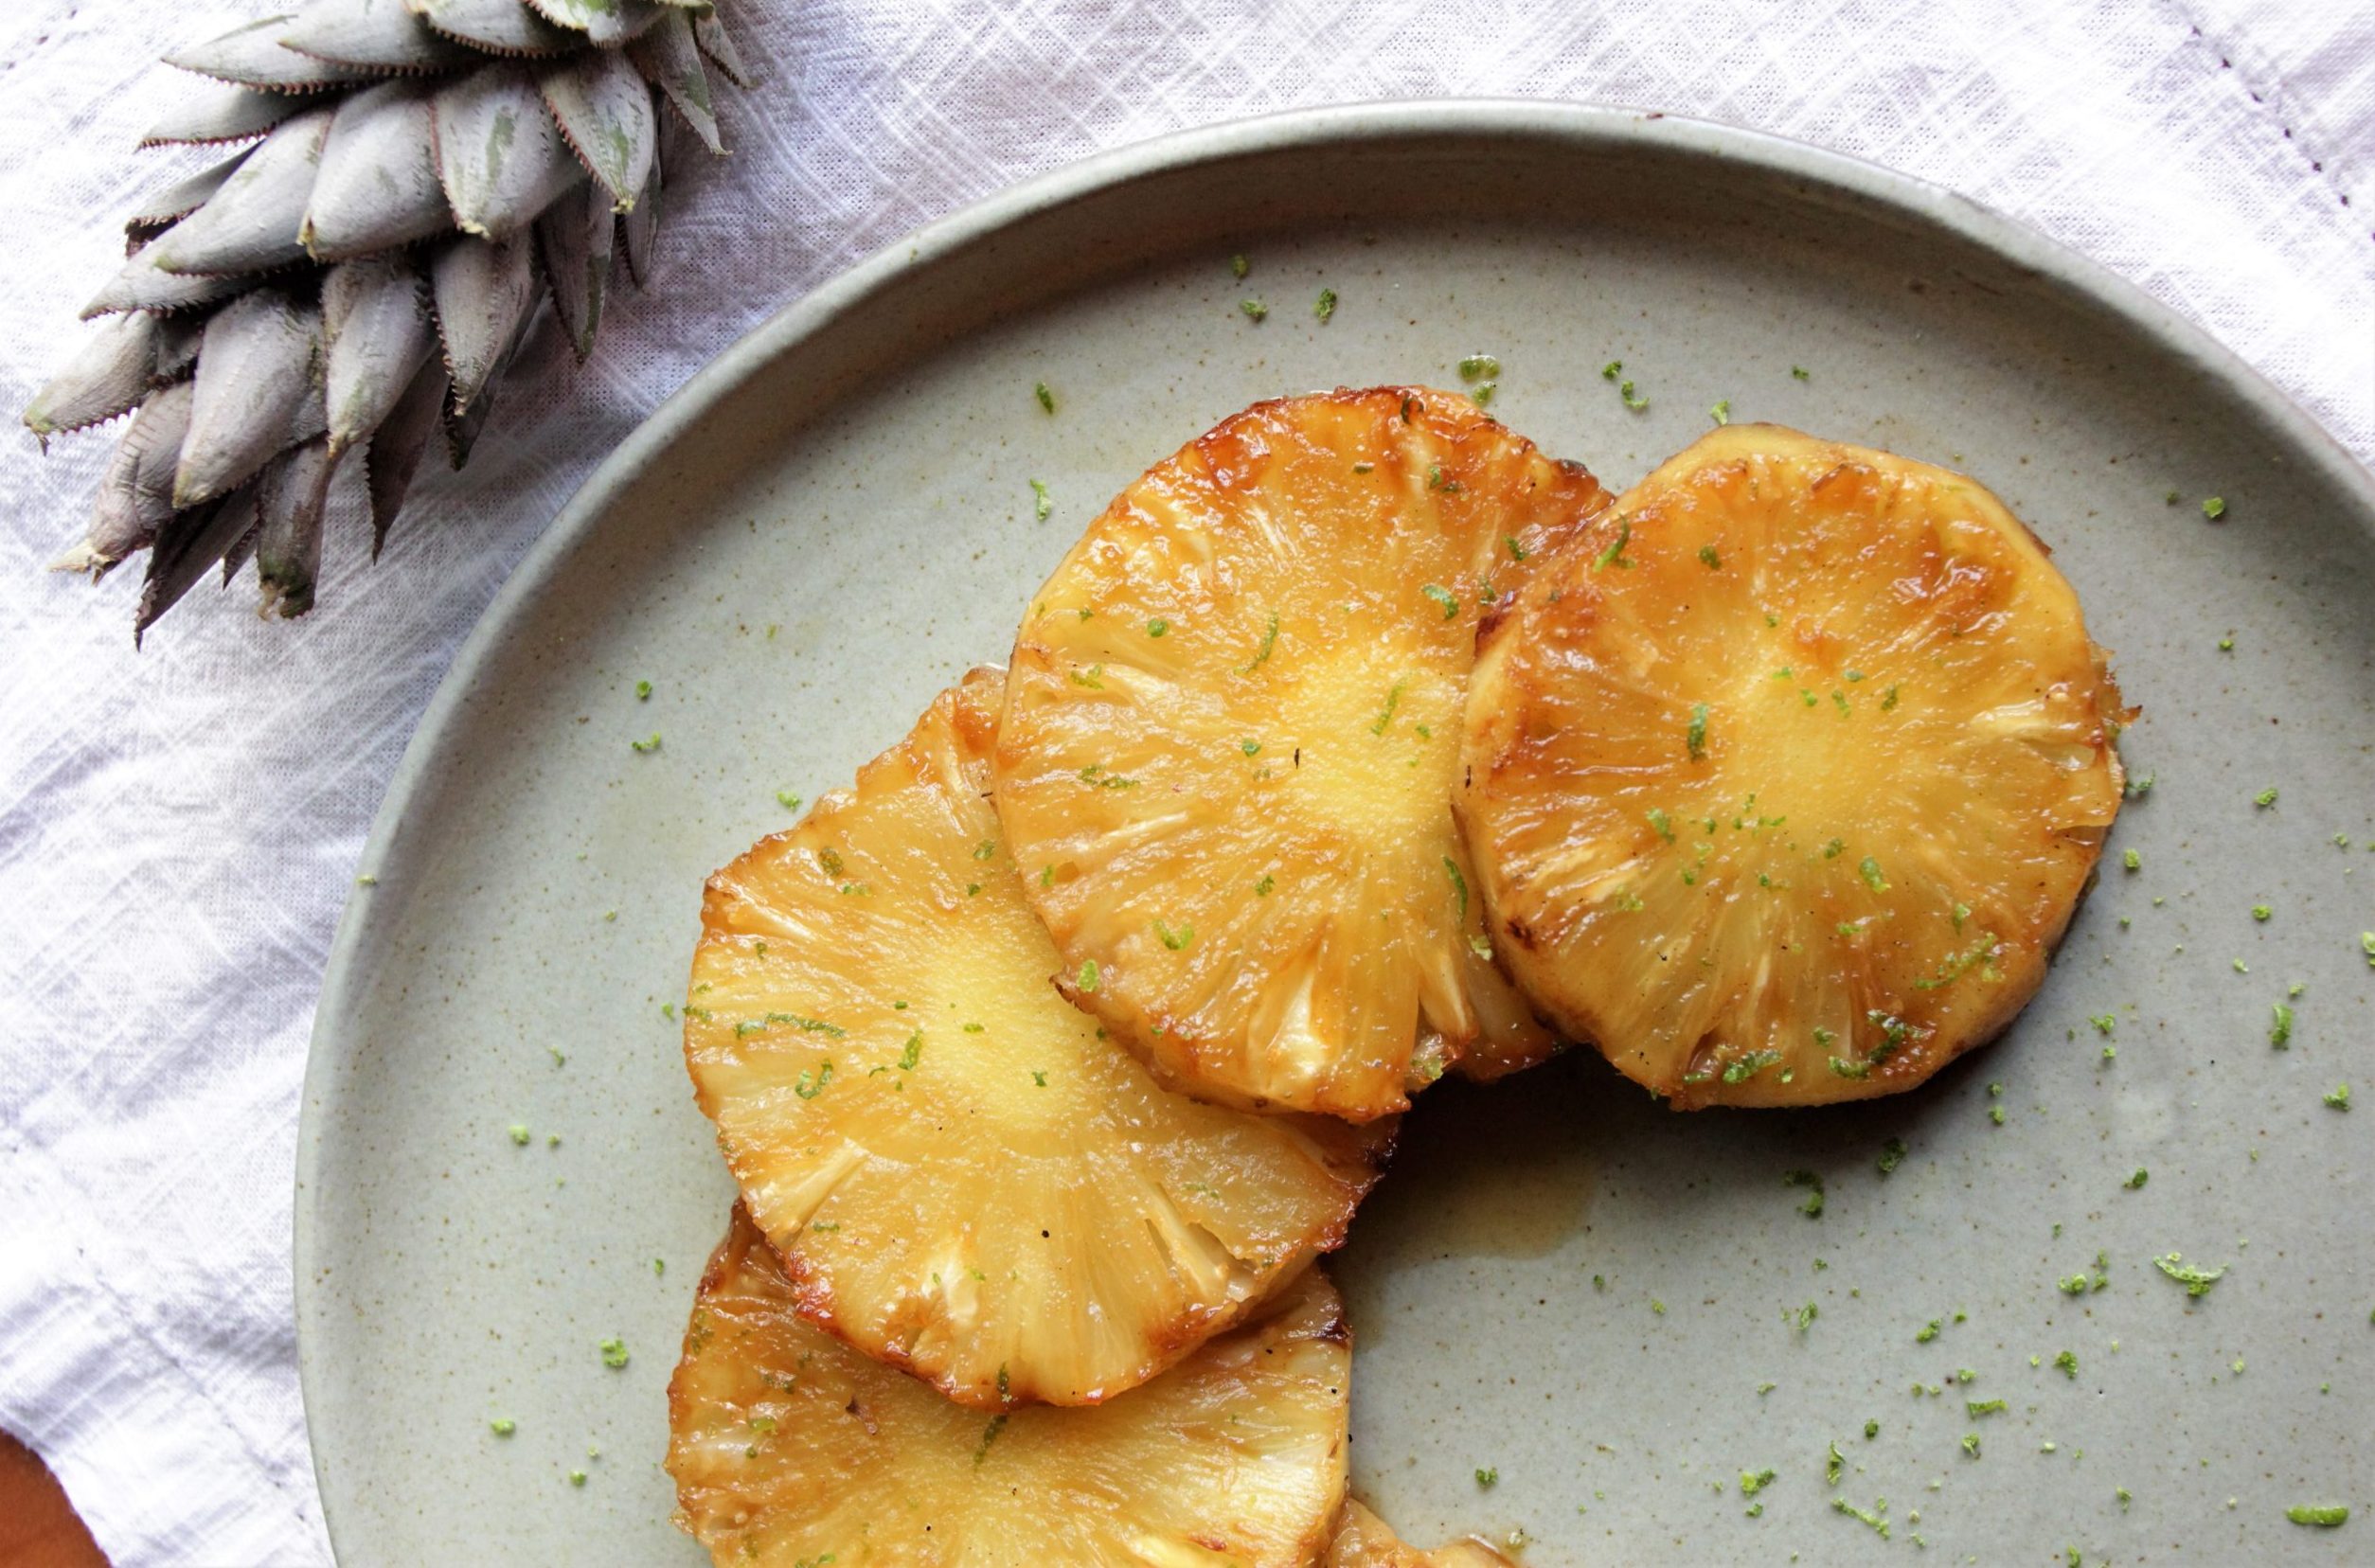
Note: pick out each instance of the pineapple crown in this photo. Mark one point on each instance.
(411, 180)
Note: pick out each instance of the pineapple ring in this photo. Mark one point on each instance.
(787, 1447)
(965, 1179)
(1363, 1540)
(1229, 742)
(1784, 781)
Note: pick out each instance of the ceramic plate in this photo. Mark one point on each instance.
(1615, 1309)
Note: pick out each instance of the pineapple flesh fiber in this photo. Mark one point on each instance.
(1231, 728)
(787, 1447)
(965, 1178)
(1363, 1540)
(402, 185)
(1784, 781)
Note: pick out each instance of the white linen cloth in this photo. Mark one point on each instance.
(178, 830)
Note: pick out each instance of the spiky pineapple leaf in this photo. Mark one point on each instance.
(604, 110)
(574, 238)
(484, 290)
(377, 330)
(606, 24)
(224, 112)
(499, 155)
(161, 210)
(191, 542)
(142, 285)
(259, 392)
(251, 57)
(639, 226)
(125, 360)
(135, 495)
(372, 35)
(250, 225)
(497, 26)
(378, 185)
(394, 451)
(291, 496)
(669, 56)
(716, 41)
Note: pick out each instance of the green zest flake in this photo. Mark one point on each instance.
(519, 1135)
(1325, 306)
(2261, 911)
(2132, 860)
(2067, 1362)
(1479, 368)
(1046, 398)
(1636, 405)
(2339, 1097)
(1895, 1032)
(1871, 1430)
(667, 1011)
(1517, 551)
(2196, 1281)
(649, 744)
(985, 850)
(1813, 1207)
(1971, 1443)
(830, 859)
(1869, 869)
(1799, 372)
(1238, 266)
(1889, 700)
(1892, 1155)
(1661, 824)
(2104, 1023)
(1963, 962)
(503, 1426)
(1708, 558)
(1042, 508)
(786, 799)
(643, 691)
(2328, 1515)
(1615, 554)
(1251, 748)
(1753, 1482)
(613, 1353)
(1093, 677)
(1695, 736)
(2265, 798)
(1255, 309)
(1658, 1306)
(1365, 467)
(1156, 626)
(1040, 1079)
(2280, 1031)
(1087, 979)
(1488, 1478)
(913, 1052)
(1748, 1067)
(807, 1090)
(1802, 1319)
(1268, 641)
(2214, 507)
(1928, 1331)
(988, 1435)
(1444, 597)
(1437, 481)
(1850, 1069)
(1721, 412)
(1385, 715)
(1823, 1037)
(1175, 937)
(2367, 945)
(1261, 888)
(1612, 369)
(1833, 1464)
(2137, 789)
(1869, 1516)
(1982, 1407)
(2135, 1182)
(1459, 885)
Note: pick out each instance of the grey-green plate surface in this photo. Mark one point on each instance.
(1559, 1281)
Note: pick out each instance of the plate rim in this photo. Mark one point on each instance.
(1576, 127)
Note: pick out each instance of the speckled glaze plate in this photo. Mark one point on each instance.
(1613, 1309)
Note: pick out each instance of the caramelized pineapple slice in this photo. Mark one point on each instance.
(1227, 753)
(1784, 781)
(1363, 1540)
(789, 1448)
(965, 1178)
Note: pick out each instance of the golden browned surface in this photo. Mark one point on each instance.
(39, 1528)
(789, 1448)
(1784, 781)
(1363, 1540)
(966, 1179)
(1231, 728)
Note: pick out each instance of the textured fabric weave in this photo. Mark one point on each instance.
(179, 829)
